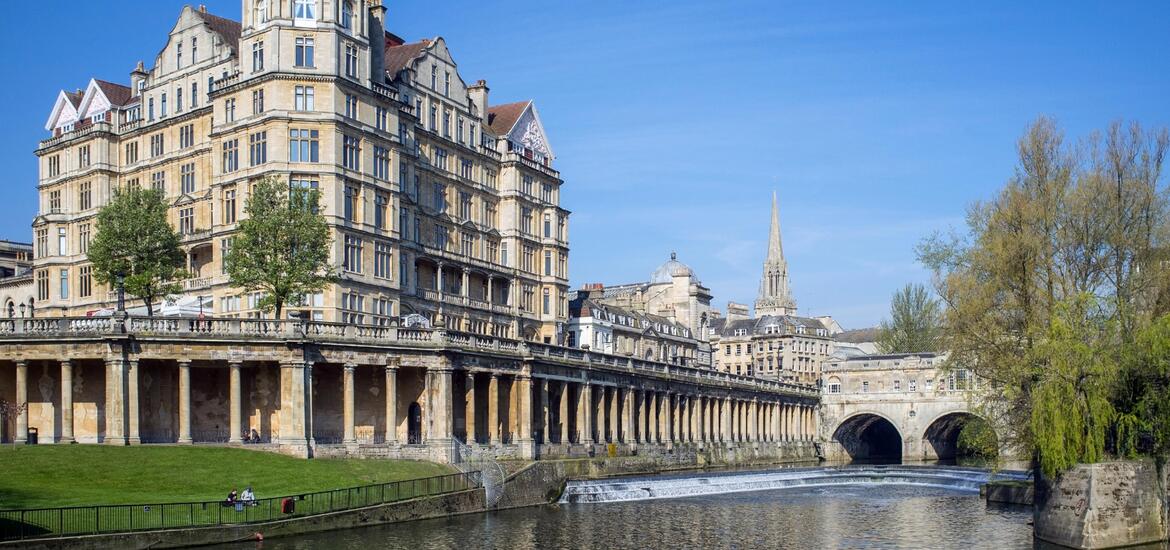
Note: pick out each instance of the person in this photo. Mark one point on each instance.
(231, 498)
(248, 497)
(255, 436)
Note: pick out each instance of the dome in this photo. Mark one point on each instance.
(671, 269)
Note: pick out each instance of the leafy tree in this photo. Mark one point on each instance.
(1143, 393)
(915, 323)
(281, 247)
(1072, 247)
(135, 241)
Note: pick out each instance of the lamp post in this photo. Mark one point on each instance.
(22, 310)
(120, 282)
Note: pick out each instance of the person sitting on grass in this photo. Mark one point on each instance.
(231, 498)
(248, 497)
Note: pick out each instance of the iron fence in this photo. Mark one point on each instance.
(94, 520)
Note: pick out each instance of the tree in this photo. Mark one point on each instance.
(134, 241)
(915, 323)
(1054, 275)
(281, 247)
(9, 411)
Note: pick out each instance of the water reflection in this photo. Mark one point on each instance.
(828, 517)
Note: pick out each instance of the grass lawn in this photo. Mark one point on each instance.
(74, 475)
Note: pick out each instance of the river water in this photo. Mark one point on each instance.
(864, 515)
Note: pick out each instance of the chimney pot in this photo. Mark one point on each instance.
(202, 8)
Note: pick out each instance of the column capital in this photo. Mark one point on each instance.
(66, 361)
(391, 368)
(183, 362)
(21, 363)
(350, 366)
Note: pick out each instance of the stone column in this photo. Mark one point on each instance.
(799, 422)
(470, 404)
(523, 389)
(464, 291)
(115, 411)
(494, 410)
(235, 405)
(566, 437)
(347, 436)
(631, 421)
(754, 411)
(132, 416)
(613, 414)
(391, 435)
(672, 417)
(656, 399)
(542, 389)
(584, 423)
(21, 435)
(66, 401)
(185, 402)
(294, 427)
(643, 417)
(442, 408)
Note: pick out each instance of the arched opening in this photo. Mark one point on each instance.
(414, 424)
(870, 438)
(957, 436)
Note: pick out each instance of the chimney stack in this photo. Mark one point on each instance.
(377, 30)
(137, 77)
(479, 97)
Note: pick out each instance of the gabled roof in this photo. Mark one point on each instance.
(227, 29)
(397, 57)
(74, 97)
(117, 94)
(502, 118)
(65, 105)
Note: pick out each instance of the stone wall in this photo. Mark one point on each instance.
(1106, 505)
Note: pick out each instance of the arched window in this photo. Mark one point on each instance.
(347, 14)
(11, 309)
(260, 12)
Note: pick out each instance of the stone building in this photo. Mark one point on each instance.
(597, 325)
(673, 292)
(775, 343)
(440, 203)
(16, 280)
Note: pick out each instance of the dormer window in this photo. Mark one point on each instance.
(305, 10)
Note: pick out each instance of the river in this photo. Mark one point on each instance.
(841, 514)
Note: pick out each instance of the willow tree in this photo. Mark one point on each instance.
(135, 243)
(281, 246)
(915, 323)
(1072, 222)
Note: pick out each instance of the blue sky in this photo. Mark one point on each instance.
(876, 123)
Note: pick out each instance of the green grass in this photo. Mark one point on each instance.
(77, 475)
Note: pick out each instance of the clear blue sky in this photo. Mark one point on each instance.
(876, 122)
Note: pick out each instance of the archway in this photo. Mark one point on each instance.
(867, 437)
(414, 424)
(941, 440)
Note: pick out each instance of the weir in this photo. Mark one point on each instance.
(660, 487)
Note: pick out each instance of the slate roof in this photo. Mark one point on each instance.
(858, 336)
(227, 29)
(501, 118)
(397, 57)
(118, 94)
(723, 327)
(640, 321)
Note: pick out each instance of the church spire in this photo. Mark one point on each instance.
(774, 297)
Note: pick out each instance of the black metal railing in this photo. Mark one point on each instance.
(120, 518)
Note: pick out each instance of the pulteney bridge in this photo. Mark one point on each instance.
(898, 406)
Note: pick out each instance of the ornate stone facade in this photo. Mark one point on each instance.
(440, 204)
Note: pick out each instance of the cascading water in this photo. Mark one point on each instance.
(642, 488)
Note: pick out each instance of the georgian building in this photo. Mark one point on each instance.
(606, 328)
(440, 203)
(775, 343)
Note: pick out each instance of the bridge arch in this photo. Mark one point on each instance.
(940, 439)
(869, 436)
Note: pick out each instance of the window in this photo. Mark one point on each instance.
(62, 242)
(381, 206)
(489, 214)
(447, 83)
(526, 220)
(439, 201)
(55, 164)
(150, 109)
(547, 225)
(351, 153)
(441, 237)
(158, 181)
(187, 221)
(225, 250)
(231, 155)
(257, 148)
(465, 205)
(258, 56)
(83, 236)
(381, 163)
(446, 123)
(229, 205)
(546, 307)
(897, 385)
(434, 115)
(351, 305)
(187, 178)
(303, 98)
(382, 257)
(85, 196)
(351, 61)
(346, 14)
(912, 385)
(865, 386)
(194, 94)
(229, 110)
(304, 52)
(257, 101)
(156, 145)
(43, 285)
(526, 185)
(546, 193)
(302, 145)
(434, 77)
(380, 118)
(459, 130)
(526, 259)
(440, 158)
(83, 156)
(467, 244)
(63, 291)
(353, 254)
(492, 250)
(560, 228)
(548, 262)
(179, 99)
(504, 254)
(84, 282)
(489, 178)
(179, 54)
(260, 12)
(465, 168)
(351, 106)
(351, 203)
(163, 111)
(186, 136)
(194, 58)
(383, 309)
(305, 9)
